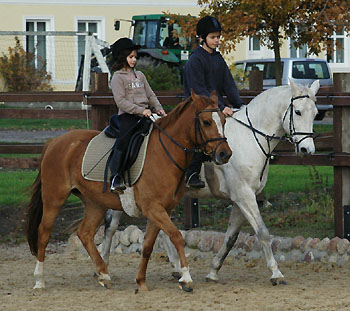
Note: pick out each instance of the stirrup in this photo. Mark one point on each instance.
(118, 187)
(194, 181)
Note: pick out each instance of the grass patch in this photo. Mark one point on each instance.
(42, 124)
(323, 128)
(13, 185)
(20, 155)
(294, 178)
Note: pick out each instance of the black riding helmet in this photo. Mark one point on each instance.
(206, 25)
(123, 44)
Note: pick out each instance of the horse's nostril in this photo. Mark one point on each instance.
(303, 150)
(222, 155)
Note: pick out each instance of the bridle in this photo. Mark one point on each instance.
(269, 138)
(292, 131)
(199, 147)
(198, 130)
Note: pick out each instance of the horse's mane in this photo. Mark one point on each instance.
(174, 114)
(301, 90)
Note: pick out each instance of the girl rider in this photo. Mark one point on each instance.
(134, 97)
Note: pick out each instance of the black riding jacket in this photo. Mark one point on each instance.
(205, 72)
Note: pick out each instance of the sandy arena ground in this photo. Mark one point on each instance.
(243, 285)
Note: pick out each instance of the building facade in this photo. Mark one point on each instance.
(62, 54)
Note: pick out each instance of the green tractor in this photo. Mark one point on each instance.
(161, 42)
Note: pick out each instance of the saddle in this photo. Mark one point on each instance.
(112, 130)
(135, 143)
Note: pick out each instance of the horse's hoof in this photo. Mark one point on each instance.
(176, 275)
(142, 288)
(185, 287)
(278, 281)
(207, 279)
(105, 283)
(39, 285)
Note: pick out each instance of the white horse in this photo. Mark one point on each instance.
(252, 133)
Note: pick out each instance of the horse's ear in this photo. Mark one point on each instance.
(294, 87)
(194, 95)
(214, 96)
(315, 86)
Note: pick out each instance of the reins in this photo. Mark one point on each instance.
(292, 132)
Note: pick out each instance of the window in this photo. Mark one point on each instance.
(254, 43)
(37, 44)
(298, 52)
(85, 26)
(145, 34)
(337, 55)
(268, 69)
(310, 70)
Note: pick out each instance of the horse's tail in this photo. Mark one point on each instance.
(34, 210)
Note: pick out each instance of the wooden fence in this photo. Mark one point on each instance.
(336, 148)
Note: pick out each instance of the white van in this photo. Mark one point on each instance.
(300, 70)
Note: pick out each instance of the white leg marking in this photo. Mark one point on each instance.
(186, 276)
(39, 275)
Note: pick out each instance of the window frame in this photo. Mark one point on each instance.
(101, 32)
(49, 40)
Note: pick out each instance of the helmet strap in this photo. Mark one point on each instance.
(205, 42)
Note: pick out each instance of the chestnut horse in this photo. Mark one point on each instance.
(197, 123)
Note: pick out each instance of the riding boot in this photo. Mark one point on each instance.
(193, 178)
(116, 167)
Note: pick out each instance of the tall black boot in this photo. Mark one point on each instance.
(116, 167)
(193, 178)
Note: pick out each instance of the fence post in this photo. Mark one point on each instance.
(341, 128)
(256, 80)
(100, 114)
(191, 213)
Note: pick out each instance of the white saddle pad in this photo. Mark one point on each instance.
(96, 156)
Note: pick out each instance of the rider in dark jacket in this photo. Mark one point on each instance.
(206, 71)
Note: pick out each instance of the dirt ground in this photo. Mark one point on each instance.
(243, 285)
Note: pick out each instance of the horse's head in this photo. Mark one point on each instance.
(209, 124)
(299, 117)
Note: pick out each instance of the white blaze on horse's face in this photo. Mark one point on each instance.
(219, 125)
(300, 116)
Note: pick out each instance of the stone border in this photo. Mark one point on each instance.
(203, 243)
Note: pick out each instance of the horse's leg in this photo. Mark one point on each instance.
(234, 224)
(112, 219)
(161, 219)
(50, 212)
(44, 232)
(250, 210)
(147, 247)
(172, 254)
(86, 233)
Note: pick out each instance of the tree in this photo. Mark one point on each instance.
(19, 72)
(310, 22)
